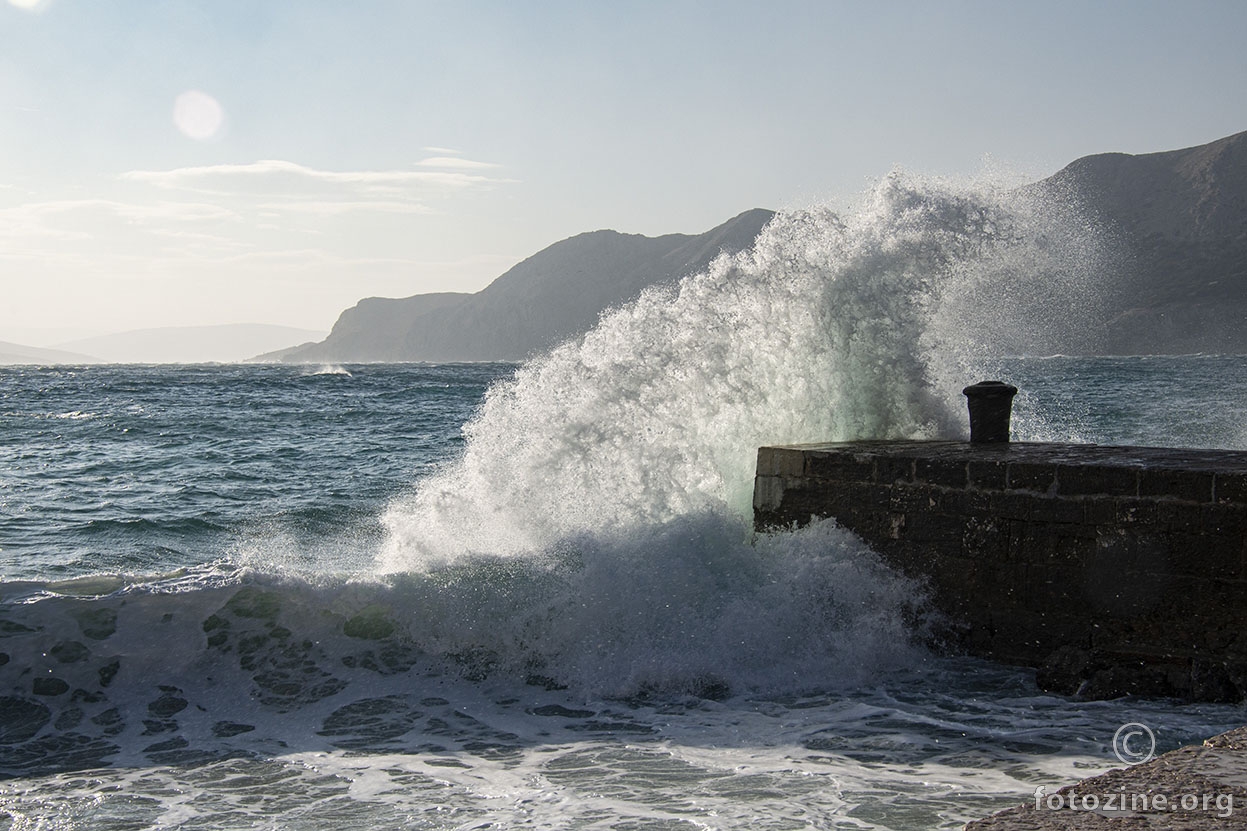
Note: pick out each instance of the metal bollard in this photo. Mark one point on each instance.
(991, 404)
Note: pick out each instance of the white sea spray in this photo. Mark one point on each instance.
(835, 326)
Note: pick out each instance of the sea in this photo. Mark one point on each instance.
(470, 596)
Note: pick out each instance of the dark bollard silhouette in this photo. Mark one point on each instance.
(991, 405)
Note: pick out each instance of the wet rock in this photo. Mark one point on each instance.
(1131, 678)
(1095, 676)
(1064, 671)
(1212, 682)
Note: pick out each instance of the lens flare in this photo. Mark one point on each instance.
(198, 115)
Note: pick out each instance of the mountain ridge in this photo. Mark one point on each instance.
(1180, 284)
(1181, 216)
(225, 343)
(16, 353)
(557, 293)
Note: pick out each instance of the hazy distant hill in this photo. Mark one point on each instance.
(192, 344)
(1182, 218)
(1179, 283)
(553, 295)
(13, 353)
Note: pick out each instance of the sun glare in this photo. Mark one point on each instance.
(197, 114)
(29, 5)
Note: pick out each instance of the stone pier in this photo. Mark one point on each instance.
(1113, 570)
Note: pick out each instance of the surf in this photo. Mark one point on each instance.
(834, 326)
(568, 616)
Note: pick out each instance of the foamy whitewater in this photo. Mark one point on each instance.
(462, 596)
(832, 328)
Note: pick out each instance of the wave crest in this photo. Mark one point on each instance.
(833, 327)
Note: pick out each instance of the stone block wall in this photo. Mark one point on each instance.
(1113, 570)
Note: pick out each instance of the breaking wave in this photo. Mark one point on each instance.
(833, 327)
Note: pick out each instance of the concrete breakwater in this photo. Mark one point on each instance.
(1112, 570)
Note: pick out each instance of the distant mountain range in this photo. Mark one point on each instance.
(1181, 217)
(15, 353)
(1180, 283)
(171, 345)
(192, 344)
(551, 296)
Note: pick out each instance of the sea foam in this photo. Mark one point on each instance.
(610, 480)
(835, 326)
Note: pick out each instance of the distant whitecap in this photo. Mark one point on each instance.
(331, 369)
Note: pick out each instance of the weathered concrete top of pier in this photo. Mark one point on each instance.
(1047, 468)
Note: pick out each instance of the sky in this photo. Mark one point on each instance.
(203, 162)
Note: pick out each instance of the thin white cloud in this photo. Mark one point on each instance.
(87, 233)
(263, 221)
(200, 240)
(454, 163)
(287, 258)
(273, 209)
(277, 178)
(163, 210)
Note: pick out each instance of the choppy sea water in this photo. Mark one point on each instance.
(467, 596)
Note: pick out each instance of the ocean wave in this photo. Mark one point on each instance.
(833, 327)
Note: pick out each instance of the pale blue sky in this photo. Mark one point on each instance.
(335, 150)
